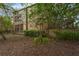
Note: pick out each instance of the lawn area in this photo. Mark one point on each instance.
(23, 46)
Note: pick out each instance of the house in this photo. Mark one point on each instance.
(21, 20)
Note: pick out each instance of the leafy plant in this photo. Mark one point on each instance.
(40, 40)
(59, 15)
(68, 35)
(34, 33)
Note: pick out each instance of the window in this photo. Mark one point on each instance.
(18, 18)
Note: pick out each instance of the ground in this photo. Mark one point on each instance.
(19, 45)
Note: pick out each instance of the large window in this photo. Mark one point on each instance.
(18, 18)
(19, 28)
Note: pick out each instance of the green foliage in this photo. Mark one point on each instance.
(40, 40)
(59, 15)
(34, 33)
(5, 23)
(6, 6)
(31, 33)
(68, 35)
(1, 5)
(38, 36)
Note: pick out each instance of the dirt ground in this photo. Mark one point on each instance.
(19, 45)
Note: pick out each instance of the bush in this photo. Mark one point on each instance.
(34, 33)
(31, 33)
(67, 35)
(40, 40)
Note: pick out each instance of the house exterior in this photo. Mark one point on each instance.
(21, 20)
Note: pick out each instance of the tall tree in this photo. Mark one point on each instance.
(5, 22)
(59, 15)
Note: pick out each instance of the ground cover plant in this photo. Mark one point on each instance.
(39, 37)
(67, 35)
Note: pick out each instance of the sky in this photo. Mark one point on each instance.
(19, 6)
(16, 6)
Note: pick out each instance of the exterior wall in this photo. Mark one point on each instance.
(31, 24)
(19, 28)
(19, 20)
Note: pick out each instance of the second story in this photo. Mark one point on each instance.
(19, 17)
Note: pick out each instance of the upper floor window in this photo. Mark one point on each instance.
(18, 18)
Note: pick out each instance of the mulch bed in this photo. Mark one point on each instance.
(19, 45)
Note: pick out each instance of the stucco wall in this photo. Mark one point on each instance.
(31, 24)
(21, 19)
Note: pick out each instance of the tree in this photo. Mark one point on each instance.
(2, 28)
(5, 21)
(59, 15)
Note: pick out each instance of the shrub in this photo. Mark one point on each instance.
(31, 33)
(67, 35)
(40, 40)
(34, 33)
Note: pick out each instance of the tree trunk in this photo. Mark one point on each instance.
(26, 19)
(3, 36)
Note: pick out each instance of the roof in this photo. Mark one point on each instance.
(24, 8)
